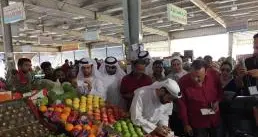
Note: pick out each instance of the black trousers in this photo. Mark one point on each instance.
(176, 124)
(206, 132)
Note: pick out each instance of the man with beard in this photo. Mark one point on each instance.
(145, 55)
(112, 75)
(22, 79)
(89, 80)
(152, 106)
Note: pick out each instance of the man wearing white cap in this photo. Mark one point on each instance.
(152, 106)
(89, 80)
(112, 75)
(148, 61)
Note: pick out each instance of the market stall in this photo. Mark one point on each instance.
(60, 112)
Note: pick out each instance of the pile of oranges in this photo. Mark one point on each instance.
(91, 129)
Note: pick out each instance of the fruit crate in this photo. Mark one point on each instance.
(17, 120)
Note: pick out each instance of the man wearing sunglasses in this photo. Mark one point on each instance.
(112, 75)
(152, 106)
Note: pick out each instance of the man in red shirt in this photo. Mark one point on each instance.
(198, 107)
(136, 79)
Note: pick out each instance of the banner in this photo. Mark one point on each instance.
(176, 14)
(70, 47)
(14, 13)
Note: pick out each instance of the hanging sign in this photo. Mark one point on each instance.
(26, 48)
(176, 14)
(70, 47)
(238, 26)
(14, 13)
(91, 35)
(45, 40)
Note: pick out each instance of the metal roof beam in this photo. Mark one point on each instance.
(207, 10)
(65, 7)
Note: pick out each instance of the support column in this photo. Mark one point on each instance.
(7, 39)
(169, 46)
(89, 50)
(73, 56)
(230, 44)
(132, 26)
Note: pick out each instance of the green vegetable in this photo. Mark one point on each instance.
(68, 92)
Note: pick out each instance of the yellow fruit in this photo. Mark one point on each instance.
(76, 100)
(83, 98)
(76, 106)
(83, 110)
(90, 96)
(68, 101)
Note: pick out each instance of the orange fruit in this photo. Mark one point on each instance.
(57, 109)
(66, 113)
(64, 116)
(43, 108)
(51, 109)
(78, 127)
(69, 127)
(91, 135)
(86, 127)
(67, 109)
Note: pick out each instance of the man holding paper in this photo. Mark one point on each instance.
(199, 106)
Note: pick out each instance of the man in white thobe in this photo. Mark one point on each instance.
(148, 60)
(152, 106)
(112, 77)
(89, 80)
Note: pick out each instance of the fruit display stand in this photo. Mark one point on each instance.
(18, 120)
(90, 116)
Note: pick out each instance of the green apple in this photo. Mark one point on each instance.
(128, 121)
(123, 123)
(118, 125)
(138, 130)
(130, 125)
(126, 134)
(134, 135)
(119, 129)
(125, 127)
(140, 134)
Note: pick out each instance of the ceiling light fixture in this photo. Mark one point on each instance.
(160, 20)
(239, 14)
(207, 25)
(177, 29)
(154, 0)
(79, 17)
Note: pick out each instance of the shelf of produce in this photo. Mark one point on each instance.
(17, 120)
(90, 116)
